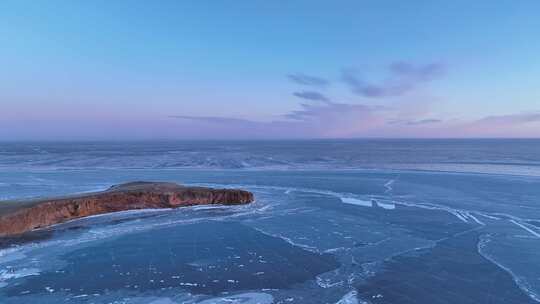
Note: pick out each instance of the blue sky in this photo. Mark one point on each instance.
(269, 69)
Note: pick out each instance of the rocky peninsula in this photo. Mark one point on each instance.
(17, 217)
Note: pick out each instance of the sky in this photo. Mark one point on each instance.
(97, 70)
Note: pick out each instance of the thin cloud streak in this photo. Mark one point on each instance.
(324, 120)
(311, 95)
(307, 80)
(341, 120)
(521, 118)
(403, 78)
(215, 119)
(416, 122)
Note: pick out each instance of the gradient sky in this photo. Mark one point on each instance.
(268, 69)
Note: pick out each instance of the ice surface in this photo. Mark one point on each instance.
(317, 233)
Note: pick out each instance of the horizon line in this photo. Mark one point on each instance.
(49, 140)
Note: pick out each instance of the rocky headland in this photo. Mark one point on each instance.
(17, 217)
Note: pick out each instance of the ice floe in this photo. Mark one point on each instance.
(244, 298)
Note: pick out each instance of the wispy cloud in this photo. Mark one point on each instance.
(322, 117)
(329, 120)
(323, 112)
(416, 122)
(214, 119)
(403, 77)
(521, 118)
(308, 80)
(424, 122)
(424, 72)
(310, 120)
(227, 127)
(311, 95)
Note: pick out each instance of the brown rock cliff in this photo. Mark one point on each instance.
(22, 216)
